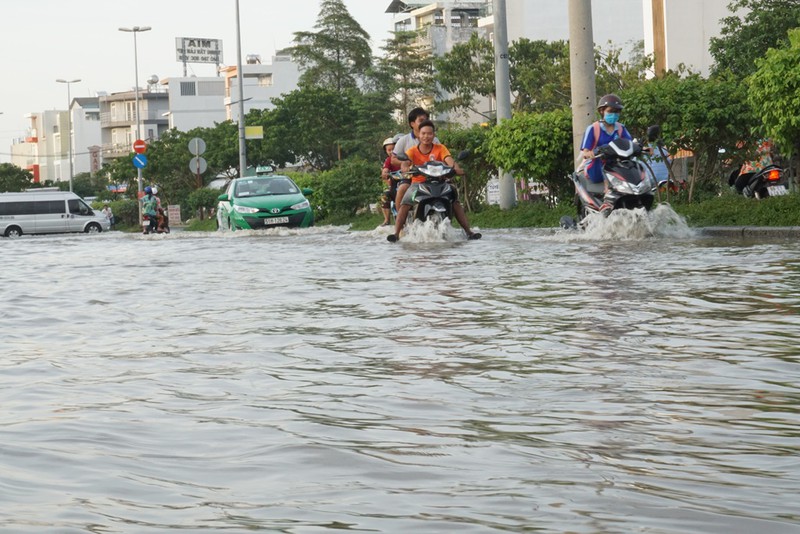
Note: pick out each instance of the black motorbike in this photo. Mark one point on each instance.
(771, 181)
(433, 200)
(629, 183)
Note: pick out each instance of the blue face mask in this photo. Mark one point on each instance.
(611, 118)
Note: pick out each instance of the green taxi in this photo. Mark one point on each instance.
(267, 201)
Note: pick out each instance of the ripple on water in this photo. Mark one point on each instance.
(324, 380)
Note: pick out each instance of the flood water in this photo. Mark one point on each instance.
(326, 380)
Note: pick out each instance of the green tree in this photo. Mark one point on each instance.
(539, 72)
(614, 73)
(338, 54)
(477, 169)
(309, 125)
(536, 146)
(703, 116)
(13, 179)
(85, 185)
(774, 90)
(465, 73)
(411, 70)
(743, 39)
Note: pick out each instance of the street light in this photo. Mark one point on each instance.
(134, 31)
(69, 126)
(240, 75)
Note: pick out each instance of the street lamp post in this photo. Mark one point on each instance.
(134, 31)
(69, 126)
(240, 75)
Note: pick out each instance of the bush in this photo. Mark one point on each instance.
(351, 185)
(126, 212)
(202, 200)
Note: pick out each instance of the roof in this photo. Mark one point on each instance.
(399, 6)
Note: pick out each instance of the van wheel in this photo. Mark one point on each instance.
(93, 228)
(13, 231)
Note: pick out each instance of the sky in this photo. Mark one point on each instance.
(45, 40)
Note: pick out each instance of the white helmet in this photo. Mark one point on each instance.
(388, 141)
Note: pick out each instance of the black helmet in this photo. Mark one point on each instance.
(612, 101)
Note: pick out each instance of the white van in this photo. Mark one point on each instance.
(48, 212)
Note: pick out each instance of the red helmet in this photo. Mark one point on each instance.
(612, 101)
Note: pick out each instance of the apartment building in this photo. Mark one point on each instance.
(42, 147)
(262, 83)
(118, 122)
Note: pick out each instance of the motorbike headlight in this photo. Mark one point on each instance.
(245, 209)
(621, 186)
(301, 205)
(436, 171)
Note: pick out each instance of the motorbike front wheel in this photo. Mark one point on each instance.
(435, 217)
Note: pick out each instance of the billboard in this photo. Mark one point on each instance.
(198, 50)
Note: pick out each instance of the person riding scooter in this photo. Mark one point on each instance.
(428, 150)
(601, 133)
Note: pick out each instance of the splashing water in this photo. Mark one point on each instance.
(425, 232)
(632, 225)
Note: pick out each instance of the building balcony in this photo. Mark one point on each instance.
(107, 120)
(115, 150)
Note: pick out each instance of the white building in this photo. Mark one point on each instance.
(39, 151)
(683, 30)
(85, 117)
(262, 83)
(118, 124)
(688, 25)
(195, 102)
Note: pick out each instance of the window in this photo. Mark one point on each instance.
(16, 208)
(188, 89)
(130, 111)
(78, 207)
(265, 80)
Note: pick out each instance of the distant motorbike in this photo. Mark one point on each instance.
(630, 184)
(771, 181)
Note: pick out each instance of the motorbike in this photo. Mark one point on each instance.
(771, 181)
(161, 226)
(435, 196)
(629, 182)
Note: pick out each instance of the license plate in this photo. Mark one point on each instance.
(276, 220)
(777, 190)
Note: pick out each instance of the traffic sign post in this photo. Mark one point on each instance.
(139, 161)
(197, 146)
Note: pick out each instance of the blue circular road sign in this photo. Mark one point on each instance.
(139, 161)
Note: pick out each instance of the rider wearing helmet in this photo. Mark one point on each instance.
(150, 209)
(601, 133)
(391, 185)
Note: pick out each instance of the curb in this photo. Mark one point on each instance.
(774, 232)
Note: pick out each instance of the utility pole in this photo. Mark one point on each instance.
(659, 38)
(508, 197)
(581, 69)
(240, 76)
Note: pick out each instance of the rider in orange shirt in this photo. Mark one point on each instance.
(428, 150)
